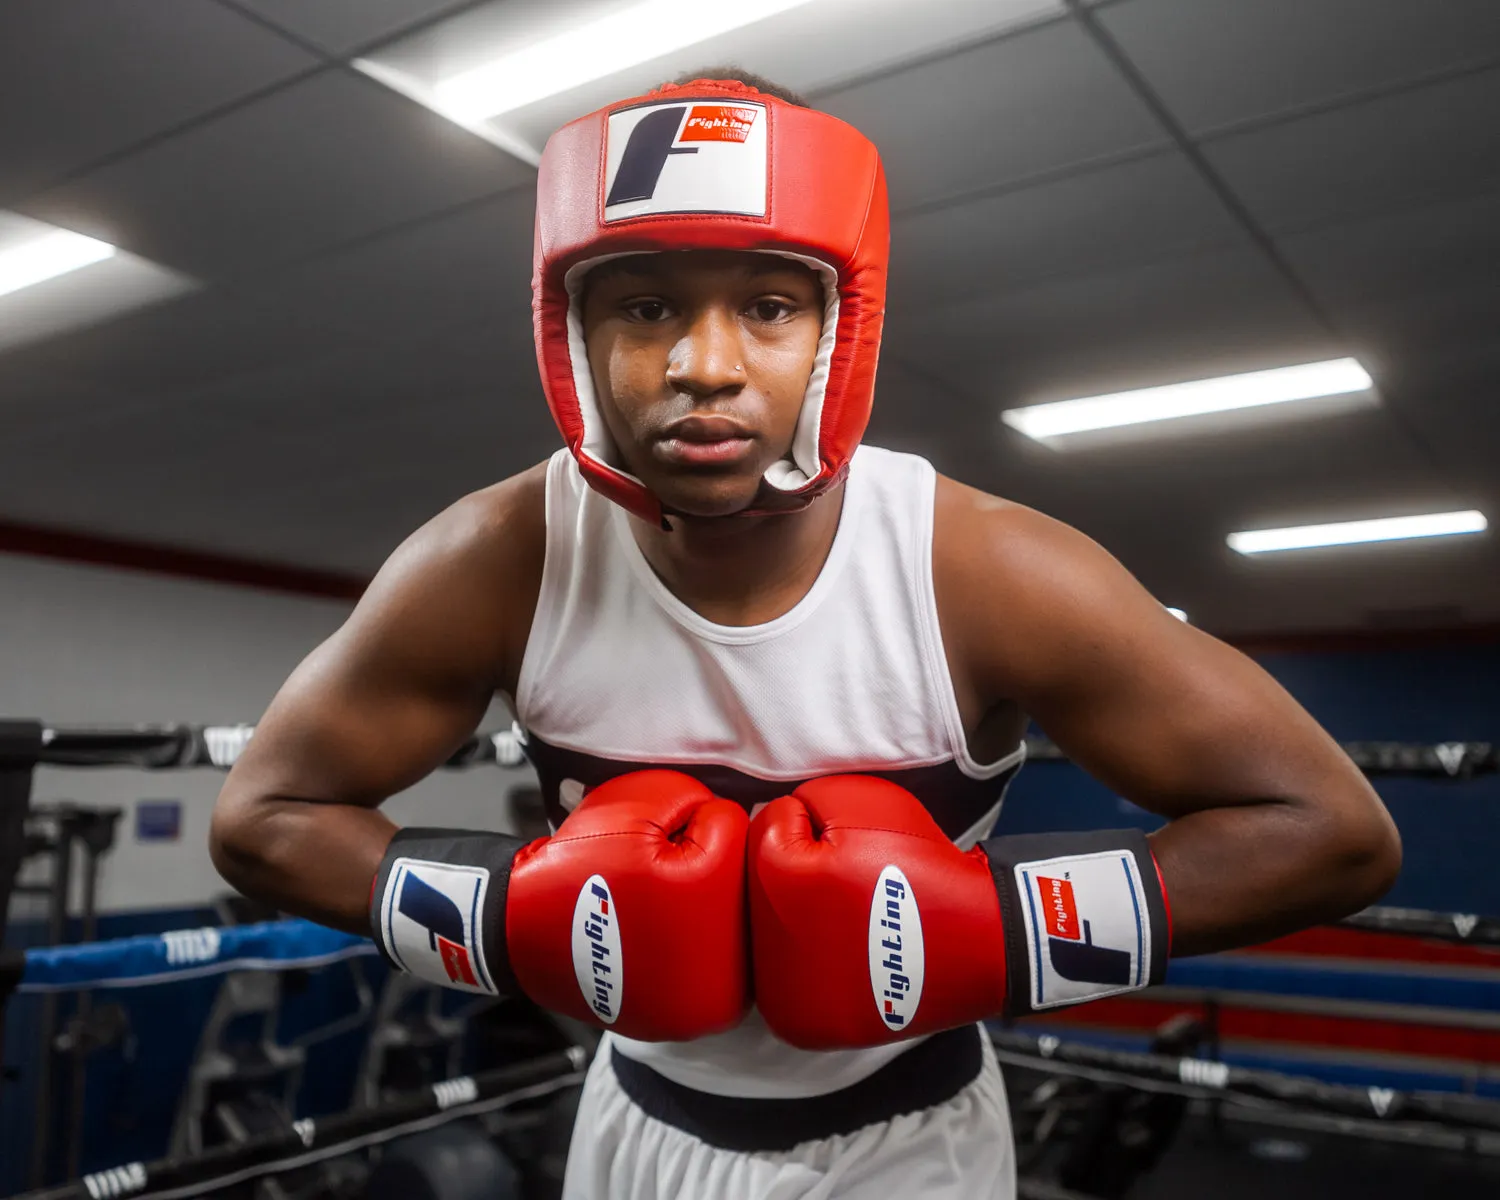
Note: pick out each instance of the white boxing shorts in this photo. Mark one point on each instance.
(942, 1132)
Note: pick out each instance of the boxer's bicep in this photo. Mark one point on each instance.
(406, 679)
(387, 697)
(371, 711)
(1271, 827)
(1160, 712)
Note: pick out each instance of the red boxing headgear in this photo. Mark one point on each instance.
(722, 166)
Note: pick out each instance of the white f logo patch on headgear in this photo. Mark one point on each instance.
(696, 156)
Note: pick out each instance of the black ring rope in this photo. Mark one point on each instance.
(309, 1141)
(1204, 1078)
(159, 747)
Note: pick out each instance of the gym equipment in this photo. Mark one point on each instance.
(71, 839)
(453, 1162)
(243, 1083)
(1099, 1138)
(308, 1142)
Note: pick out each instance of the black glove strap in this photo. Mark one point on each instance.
(1084, 913)
(437, 909)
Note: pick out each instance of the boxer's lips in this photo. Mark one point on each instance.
(704, 441)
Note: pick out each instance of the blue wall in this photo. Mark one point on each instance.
(1450, 828)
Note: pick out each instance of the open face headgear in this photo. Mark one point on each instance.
(715, 165)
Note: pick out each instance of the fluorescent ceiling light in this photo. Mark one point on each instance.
(614, 43)
(1344, 533)
(1177, 612)
(47, 257)
(1309, 381)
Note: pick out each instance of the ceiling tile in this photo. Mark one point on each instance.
(342, 25)
(1463, 426)
(36, 404)
(1278, 473)
(1358, 587)
(476, 384)
(187, 342)
(315, 165)
(1412, 148)
(1455, 405)
(1181, 318)
(810, 48)
(1418, 291)
(1218, 62)
(60, 307)
(1164, 508)
(82, 81)
(456, 271)
(1038, 102)
(1430, 325)
(1135, 212)
(1465, 375)
(327, 464)
(1406, 254)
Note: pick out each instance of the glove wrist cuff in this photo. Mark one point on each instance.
(1085, 916)
(437, 908)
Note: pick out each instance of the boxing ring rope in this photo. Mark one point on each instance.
(1475, 1117)
(1439, 760)
(1467, 929)
(311, 1141)
(282, 945)
(161, 747)
(169, 747)
(180, 954)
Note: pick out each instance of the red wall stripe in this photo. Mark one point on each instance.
(1143, 1015)
(38, 541)
(73, 546)
(1343, 943)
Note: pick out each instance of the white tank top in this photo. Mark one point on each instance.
(620, 675)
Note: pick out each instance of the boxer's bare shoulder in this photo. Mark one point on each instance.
(1019, 594)
(484, 554)
(412, 670)
(1023, 596)
(464, 585)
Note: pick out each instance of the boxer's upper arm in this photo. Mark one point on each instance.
(389, 696)
(1162, 713)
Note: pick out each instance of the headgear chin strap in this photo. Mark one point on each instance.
(715, 165)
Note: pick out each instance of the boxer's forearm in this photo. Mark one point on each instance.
(1241, 875)
(310, 859)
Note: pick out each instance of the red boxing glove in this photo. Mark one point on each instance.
(670, 857)
(868, 925)
(631, 916)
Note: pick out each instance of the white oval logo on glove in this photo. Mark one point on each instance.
(596, 949)
(896, 954)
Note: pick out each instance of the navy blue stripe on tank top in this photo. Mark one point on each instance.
(955, 800)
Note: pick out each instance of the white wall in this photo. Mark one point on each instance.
(82, 645)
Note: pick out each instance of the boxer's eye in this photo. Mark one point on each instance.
(649, 311)
(770, 309)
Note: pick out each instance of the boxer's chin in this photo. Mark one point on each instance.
(708, 495)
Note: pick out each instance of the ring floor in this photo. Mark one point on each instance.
(1245, 1162)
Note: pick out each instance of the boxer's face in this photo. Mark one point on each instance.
(700, 360)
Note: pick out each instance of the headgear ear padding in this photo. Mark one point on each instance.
(715, 165)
